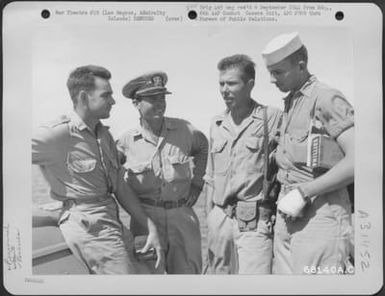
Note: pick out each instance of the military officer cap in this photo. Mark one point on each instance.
(281, 47)
(148, 84)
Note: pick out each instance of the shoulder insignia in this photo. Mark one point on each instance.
(176, 123)
(134, 134)
(218, 119)
(58, 121)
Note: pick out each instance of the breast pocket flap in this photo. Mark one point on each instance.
(175, 159)
(218, 146)
(299, 135)
(253, 143)
(81, 165)
(140, 168)
(246, 211)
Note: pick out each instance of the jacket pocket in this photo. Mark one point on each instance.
(141, 177)
(140, 168)
(299, 136)
(79, 164)
(253, 143)
(76, 218)
(296, 146)
(179, 168)
(220, 157)
(247, 215)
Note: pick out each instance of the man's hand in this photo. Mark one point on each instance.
(292, 204)
(153, 241)
(43, 218)
(193, 195)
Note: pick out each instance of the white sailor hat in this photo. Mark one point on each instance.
(281, 47)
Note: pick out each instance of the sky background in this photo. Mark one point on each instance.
(188, 53)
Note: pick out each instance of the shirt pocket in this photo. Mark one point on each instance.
(251, 156)
(296, 146)
(178, 168)
(253, 144)
(80, 164)
(220, 157)
(141, 176)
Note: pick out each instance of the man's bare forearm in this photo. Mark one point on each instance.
(130, 202)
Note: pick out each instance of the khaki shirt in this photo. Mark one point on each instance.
(235, 165)
(76, 162)
(326, 105)
(163, 170)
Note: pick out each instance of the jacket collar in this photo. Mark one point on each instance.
(255, 114)
(80, 125)
(306, 89)
(168, 123)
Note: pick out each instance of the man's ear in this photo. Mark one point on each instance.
(82, 98)
(250, 84)
(302, 66)
(135, 102)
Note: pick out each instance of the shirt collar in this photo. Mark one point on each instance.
(308, 86)
(168, 123)
(255, 114)
(80, 125)
(305, 90)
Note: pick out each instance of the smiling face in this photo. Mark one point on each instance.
(100, 100)
(151, 107)
(285, 75)
(234, 90)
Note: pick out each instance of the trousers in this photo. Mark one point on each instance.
(319, 241)
(94, 234)
(231, 251)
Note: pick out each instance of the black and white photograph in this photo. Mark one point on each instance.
(192, 148)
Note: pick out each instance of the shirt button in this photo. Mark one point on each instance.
(284, 151)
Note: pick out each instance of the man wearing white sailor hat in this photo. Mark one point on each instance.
(158, 159)
(313, 228)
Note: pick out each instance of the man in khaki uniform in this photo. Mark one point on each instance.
(79, 160)
(312, 231)
(239, 223)
(158, 158)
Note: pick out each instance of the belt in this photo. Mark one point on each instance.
(265, 209)
(86, 200)
(166, 204)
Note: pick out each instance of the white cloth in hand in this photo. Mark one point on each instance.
(292, 203)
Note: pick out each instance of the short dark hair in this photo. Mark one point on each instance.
(83, 78)
(299, 55)
(241, 61)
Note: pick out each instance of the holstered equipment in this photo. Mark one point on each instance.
(247, 215)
